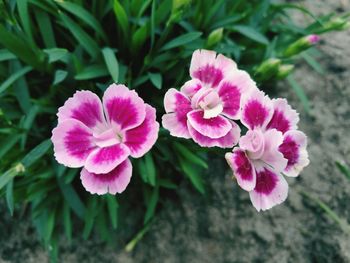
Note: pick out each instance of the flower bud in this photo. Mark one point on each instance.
(268, 69)
(215, 37)
(284, 71)
(337, 23)
(301, 44)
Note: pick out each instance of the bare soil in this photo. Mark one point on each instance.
(223, 226)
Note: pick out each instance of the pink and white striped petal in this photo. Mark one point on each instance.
(123, 107)
(284, 118)
(85, 107)
(140, 140)
(293, 149)
(214, 128)
(113, 182)
(257, 110)
(209, 67)
(271, 189)
(242, 168)
(177, 105)
(191, 87)
(231, 90)
(104, 160)
(227, 141)
(272, 155)
(72, 142)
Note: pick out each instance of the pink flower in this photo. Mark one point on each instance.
(272, 146)
(101, 136)
(206, 105)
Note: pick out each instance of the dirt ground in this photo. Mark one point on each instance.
(223, 226)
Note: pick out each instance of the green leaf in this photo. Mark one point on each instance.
(88, 43)
(300, 92)
(22, 49)
(6, 55)
(84, 15)
(151, 205)
(15, 76)
(9, 196)
(312, 62)
(92, 72)
(8, 143)
(166, 183)
(20, 87)
(60, 75)
(121, 16)
(25, 18)
(181, 40)
(112, 210)
(90, 216)
(50, 224)
(150, 169)
(72, 198)
(111, 63)
(36, 153)
(56, 54)
(190, 156)
(67, 222)
(343, 168)
(138, 38)
(45, 27)
(193, 174)
(153, 21)
(251, 33)
(10, 174)
(156, 79)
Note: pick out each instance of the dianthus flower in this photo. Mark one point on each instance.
(206, 105)
(101, 136)
(271, 148)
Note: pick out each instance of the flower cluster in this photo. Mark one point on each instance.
(206, 108)
(101, 136)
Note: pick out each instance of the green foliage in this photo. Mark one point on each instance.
(50, 49)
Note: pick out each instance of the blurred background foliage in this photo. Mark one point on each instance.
(50, 49)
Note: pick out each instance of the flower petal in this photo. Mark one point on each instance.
(72, 142)
(177, 105)
(271, 189)
(227, 141)
(113, 182)
(284, 118)
(104, 160)
(123, 107)
(257, 110)
(272, 156)
(191, 87)
(85, 107)
(209, 67)
(242, 168)
(293, 149)
(231, 90)
(141, 139)
(214, 127)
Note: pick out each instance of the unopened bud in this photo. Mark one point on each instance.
(268, 69)
(284, 71)
(301, 44)
(215, 37)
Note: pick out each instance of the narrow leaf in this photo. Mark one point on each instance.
(36, 153)
(156, 79)
(300, 92)
(6, 55)
(152, 204)
(9, 197)
(150, 168)
(88, 43)
(60, 75)
(251, 33)
(92, 72)
(112, 210)
(111, 63)
(15, 76)
(181, 40)
(121, 16)
(187, 154)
